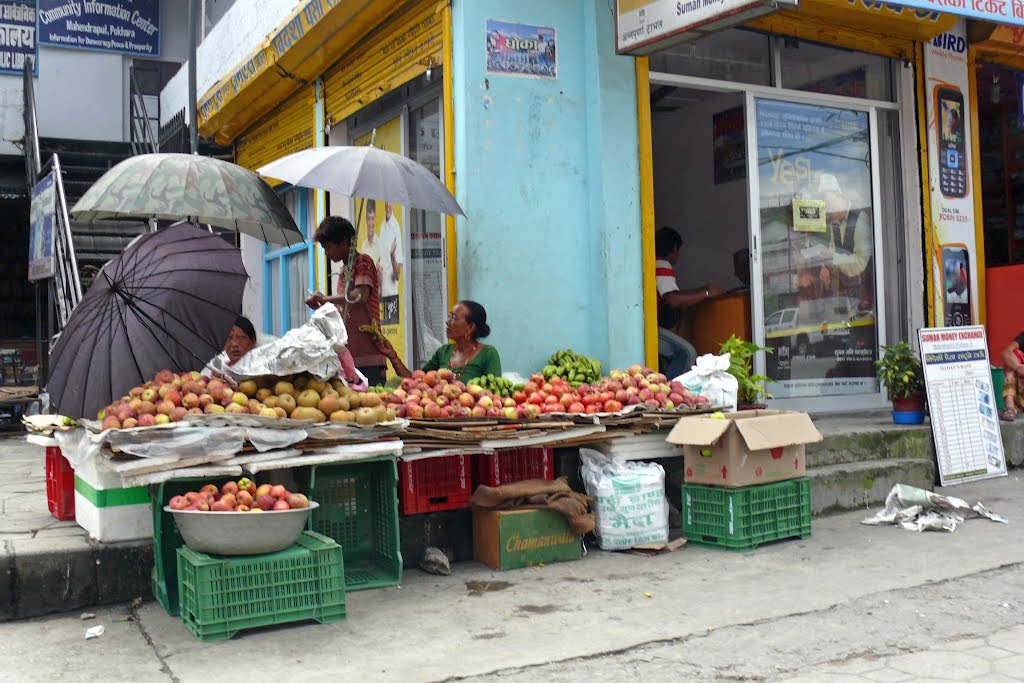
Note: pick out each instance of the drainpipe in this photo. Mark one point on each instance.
(193, 113)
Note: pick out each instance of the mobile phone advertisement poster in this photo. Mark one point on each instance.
(962, 404)
(953, 251)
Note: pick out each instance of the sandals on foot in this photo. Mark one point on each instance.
(1008, 415)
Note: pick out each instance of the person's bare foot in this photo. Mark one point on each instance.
(1008, 415)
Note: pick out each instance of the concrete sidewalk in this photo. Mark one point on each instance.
(850, 603)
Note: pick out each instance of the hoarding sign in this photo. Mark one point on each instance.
(130, 27)
(962, 404)
(521, 49)
(998, 11)
(17, 36)
(644, 26)
(40, 236)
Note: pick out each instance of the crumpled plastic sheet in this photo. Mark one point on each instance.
(80, 445)
(311, 348)
(916, 509)
(274, 439)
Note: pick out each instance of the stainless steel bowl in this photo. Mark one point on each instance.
(240, 533)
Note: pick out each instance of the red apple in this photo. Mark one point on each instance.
(577, 408)
(265, 501)
(147, 420)
(612, 406)
(297, 501)
(229, 487)
(179, 503)
(229, 499)
(221, 506)
(278, 491)
(281, 505)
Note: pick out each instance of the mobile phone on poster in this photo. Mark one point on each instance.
(956, 285)
(949, 111)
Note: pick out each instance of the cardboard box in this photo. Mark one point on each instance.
(510, 539)
(748, 447)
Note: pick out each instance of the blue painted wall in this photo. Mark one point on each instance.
(548, 173)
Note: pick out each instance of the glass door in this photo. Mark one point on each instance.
(813, 181)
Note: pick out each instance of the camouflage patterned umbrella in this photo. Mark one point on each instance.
(186, 186)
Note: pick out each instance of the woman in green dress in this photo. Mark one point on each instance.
(467, 357)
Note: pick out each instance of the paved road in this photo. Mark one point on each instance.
(850, 603)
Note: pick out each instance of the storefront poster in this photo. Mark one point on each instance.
(730, 145)
(40, 236)
(962, 404)
(18, 37)
(953, 250)
(130, 27)
(521, 49)
(818, 285)
(379, 235)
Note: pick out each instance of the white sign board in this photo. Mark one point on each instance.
(962, 405)
(40, 235)
(644, 26)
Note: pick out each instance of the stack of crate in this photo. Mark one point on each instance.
(745, 475)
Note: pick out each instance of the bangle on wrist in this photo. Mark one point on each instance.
(707, 294)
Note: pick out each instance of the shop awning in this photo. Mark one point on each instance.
(1005, 45)
(882, 28)
(298, 52)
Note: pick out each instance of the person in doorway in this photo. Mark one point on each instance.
(1013, 383)
(391, 262)
(741, 269)
(357, 297)
(241, 340)
(467, 356)
(678, 353)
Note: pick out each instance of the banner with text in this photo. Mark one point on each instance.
(953, 253)
(17, 37)
(130, 27)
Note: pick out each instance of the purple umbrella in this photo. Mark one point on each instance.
(169, 301)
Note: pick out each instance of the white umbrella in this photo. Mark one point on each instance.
(366, 172)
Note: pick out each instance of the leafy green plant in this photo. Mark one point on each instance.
(741, 366)
(900, 371)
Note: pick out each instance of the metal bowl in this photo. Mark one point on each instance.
(240, 533)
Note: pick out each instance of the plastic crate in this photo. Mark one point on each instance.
(744, 518)
(359, 509)
(434, 484)
(167, 539)
(509, 465)
(60, 485)
(220, 596)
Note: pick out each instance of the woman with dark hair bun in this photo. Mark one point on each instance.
(467, 357)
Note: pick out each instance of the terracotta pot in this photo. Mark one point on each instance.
(908, 404)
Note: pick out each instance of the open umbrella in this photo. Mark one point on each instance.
(365, 172)
(187, 186)
(169, 301)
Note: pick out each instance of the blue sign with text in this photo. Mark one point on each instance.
(17, 36)
(130, 27)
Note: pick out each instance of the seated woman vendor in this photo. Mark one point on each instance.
(467, 357)
(241, 340)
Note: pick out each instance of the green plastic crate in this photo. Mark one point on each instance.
(220, 596)
(167, 539)
(744, 518)
(359, 509)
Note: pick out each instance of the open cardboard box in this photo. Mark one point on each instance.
(745, 448)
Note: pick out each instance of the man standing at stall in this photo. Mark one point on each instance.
(678, 353)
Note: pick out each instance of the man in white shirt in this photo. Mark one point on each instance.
(391, 262)
(679, 353)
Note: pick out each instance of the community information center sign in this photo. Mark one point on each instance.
(962, 404)
(130, 27)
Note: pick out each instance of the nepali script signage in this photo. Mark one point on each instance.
(130, 27)
(644, 26)
(999, 11)
(17, 36)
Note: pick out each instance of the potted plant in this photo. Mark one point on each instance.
(741, 366)
(900, 372)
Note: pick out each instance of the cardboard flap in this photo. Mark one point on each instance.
(698, 431)
(777, 431)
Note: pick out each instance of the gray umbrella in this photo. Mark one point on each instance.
(365, 172)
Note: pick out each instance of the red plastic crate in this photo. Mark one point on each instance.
(434, 484)
(509, 465)
(60, 484)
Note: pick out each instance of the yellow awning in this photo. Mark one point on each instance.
(1004, 46)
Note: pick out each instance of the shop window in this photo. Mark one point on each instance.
(1001, 138)
(288, 272)
(833, 71)
(736, 55)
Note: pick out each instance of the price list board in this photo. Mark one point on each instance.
(961, 403)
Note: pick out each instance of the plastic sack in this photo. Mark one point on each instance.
(631, 506)
(311, 348)
(710, 378)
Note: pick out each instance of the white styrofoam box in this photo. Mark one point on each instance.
(108, 510)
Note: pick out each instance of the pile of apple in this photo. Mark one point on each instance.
(240, 496)
(171, 397)
(438, 395)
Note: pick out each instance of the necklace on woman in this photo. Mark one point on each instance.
(462, 356)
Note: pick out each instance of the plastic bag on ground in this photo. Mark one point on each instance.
(631, 506)
(710, 378)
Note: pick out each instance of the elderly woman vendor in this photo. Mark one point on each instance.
(467, 357)
(241, 340)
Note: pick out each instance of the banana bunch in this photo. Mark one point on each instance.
(499, 386)
(574, 368)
